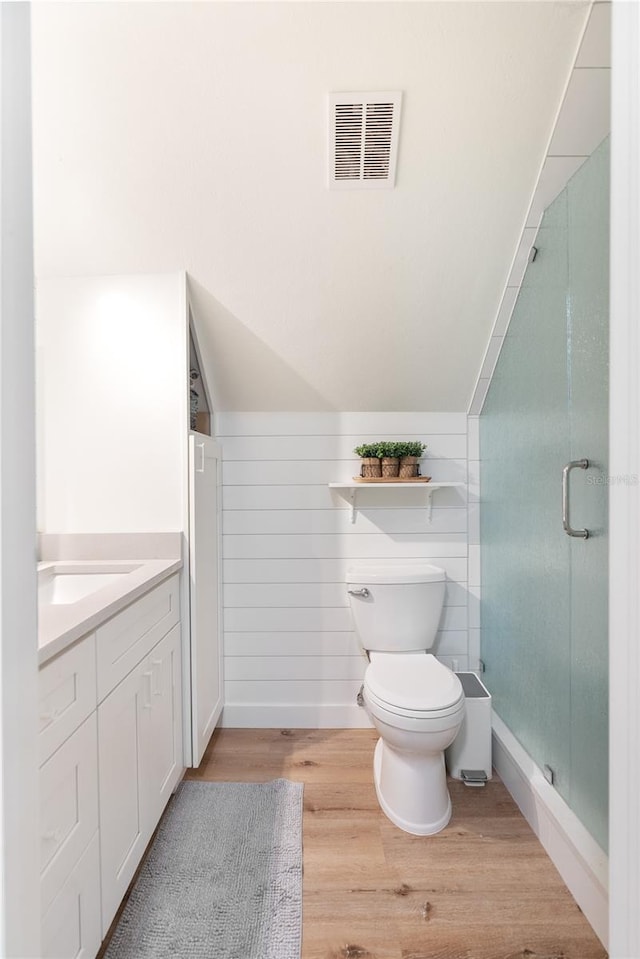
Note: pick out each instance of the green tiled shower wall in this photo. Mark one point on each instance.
(544, 594)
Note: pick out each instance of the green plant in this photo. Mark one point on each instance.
(412, 448)
(398, 449)
(387, 448)
(390, 448)
(367, 450)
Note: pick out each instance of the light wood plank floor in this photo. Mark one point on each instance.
(483, 888)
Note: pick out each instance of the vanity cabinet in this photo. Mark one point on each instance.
(111, 754)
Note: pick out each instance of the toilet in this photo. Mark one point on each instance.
(414, 701)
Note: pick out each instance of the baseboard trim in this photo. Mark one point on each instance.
(293, 716)
(578, 858)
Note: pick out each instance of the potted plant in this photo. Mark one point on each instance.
(409, 454)
(390, 462)
(370, 466)
(390, 458)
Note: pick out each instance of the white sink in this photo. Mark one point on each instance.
(58, 586)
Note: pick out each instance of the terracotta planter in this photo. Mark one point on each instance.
(390, 465)
(370, 468)
(409, 466)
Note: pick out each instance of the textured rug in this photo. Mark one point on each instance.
(223, 878)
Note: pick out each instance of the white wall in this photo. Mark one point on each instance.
(291, 656)
(112, 403)
(200, 139)
(20, 862)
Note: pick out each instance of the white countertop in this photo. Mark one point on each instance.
(60, 625)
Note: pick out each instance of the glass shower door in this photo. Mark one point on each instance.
(544, 593)
(526, 582)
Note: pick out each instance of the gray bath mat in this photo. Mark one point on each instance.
(223, 878)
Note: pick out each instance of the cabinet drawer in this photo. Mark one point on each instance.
(68, 807)
(71, 925)
(66, 694)
(126, 639)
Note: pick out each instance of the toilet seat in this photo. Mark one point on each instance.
(389, 710)
(414, 685)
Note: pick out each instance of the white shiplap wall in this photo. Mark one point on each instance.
(291, 656)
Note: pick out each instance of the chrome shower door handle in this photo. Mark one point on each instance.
(566, 522)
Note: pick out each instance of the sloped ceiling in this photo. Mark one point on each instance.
(193, 136)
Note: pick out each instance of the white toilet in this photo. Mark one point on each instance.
(415, 702)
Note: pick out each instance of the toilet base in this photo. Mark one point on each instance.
(412, 789)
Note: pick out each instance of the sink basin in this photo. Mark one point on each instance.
(58, 586)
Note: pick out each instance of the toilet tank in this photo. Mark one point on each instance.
(401, 609)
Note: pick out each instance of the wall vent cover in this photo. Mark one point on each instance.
(363, 139)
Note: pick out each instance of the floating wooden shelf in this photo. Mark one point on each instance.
(350, 490)
(390, 480)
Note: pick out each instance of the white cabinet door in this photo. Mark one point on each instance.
(204, 572)
(161, 752)
(140, 762)
(123, 827)
(68, 807)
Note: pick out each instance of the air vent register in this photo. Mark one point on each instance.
(363, 139)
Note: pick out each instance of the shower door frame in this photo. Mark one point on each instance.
(624, 501)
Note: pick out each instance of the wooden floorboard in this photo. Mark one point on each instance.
(483, 888)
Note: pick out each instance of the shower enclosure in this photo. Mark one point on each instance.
(545, 591)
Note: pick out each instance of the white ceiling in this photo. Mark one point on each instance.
(193, 136)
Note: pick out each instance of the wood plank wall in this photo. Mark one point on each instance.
(291, 656)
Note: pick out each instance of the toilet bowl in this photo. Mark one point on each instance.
(415, 702)
(409, 768)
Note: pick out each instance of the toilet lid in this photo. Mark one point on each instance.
(413, 681)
